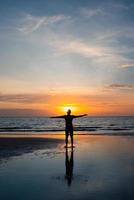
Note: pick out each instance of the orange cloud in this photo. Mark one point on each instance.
(103, 102)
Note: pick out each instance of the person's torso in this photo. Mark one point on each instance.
(69, 121)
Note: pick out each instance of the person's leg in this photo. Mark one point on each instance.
(71, 135)
(66, 138)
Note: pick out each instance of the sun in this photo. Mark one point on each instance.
(65, 108)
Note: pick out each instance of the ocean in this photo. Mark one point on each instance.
(84, 125)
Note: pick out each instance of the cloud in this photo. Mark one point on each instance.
(86, 12)
(119, 6)
(100, 50)
(121, 86)
(79, 47)
(101, 55)
(24, 98)
(127, 65)
(102, 11)
(100, 102)
(103, 48)
(18, 112)
(97, 95)
(113, 36)
(32, 23)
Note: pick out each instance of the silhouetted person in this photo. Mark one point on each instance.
(69, 124)
(69, 162)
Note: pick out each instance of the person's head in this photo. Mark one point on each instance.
(68, 112)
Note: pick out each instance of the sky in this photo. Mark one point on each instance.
(57, 53)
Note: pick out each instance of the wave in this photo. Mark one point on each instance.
(76, 128)
(96, 130)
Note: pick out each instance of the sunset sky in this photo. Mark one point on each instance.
(57, 53)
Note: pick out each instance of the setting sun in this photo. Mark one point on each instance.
(65, 108)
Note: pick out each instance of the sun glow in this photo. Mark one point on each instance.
(65, 108)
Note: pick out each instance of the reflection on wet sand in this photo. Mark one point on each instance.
(104, 168)
(69, 163)
(12, 147)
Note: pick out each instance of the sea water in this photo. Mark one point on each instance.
(84, 125)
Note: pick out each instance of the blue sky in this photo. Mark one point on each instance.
(73, 46)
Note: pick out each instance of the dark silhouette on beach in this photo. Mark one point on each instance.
(69, 163)
(69, 125)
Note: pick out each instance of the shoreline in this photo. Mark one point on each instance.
(61, 133)
(17, 145)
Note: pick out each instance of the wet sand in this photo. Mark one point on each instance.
(39, 167)
(16, 146)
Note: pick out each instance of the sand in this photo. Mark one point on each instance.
(16, 146)
(36, 168)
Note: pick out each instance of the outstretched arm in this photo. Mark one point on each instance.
(62, 116)
(76, 116)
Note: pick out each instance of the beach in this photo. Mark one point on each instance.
(39, 167)
(67, 72)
